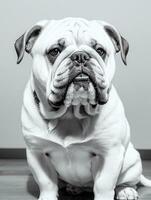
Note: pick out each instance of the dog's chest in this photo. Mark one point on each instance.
(74, 163)
(72, 154)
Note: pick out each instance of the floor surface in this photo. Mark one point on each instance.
(17, 183)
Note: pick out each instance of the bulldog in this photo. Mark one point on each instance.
(73, 120)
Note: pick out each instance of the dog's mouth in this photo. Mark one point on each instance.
(81, 88)
(81, 80)
(81, 77)
(80, 91)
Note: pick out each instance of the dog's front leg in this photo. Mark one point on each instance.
(107, 174)
(45, 177)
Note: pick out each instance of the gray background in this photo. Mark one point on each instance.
(133, 82)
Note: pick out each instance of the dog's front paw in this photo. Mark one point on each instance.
(126, 193)
(47, 195)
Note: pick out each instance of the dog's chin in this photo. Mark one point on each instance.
(80, 92)
(83, 91)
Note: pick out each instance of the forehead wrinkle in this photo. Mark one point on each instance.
(77, 30)
(82, 32)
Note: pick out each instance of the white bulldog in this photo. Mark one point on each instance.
(73, 120)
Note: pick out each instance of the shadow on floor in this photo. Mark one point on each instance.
(32, 188)
(144, 193)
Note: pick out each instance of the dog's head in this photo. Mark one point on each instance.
(73, 62)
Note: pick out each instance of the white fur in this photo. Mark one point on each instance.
(70, 138)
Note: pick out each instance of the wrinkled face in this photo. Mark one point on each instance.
(75, 62)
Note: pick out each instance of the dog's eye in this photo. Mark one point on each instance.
(54, 52)
(101, 52)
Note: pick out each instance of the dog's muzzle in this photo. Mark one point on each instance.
(81, 87)
(80, 60)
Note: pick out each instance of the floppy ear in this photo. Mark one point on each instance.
(119, 42)
(27, 40)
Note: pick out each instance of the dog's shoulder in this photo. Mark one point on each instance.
(30, 116)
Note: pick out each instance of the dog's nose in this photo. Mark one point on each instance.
(80, 57)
